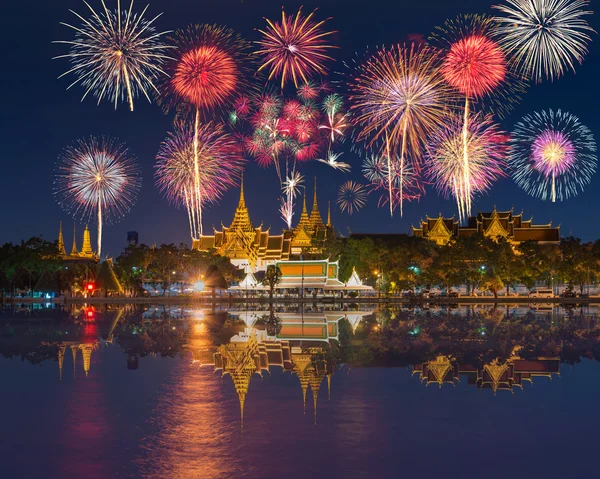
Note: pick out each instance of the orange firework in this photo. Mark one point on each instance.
(295, 48)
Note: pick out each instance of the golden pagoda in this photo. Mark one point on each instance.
(244, 244)
(86, 254)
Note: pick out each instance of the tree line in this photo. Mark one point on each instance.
(401, 263)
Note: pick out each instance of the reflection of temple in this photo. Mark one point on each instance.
(299, 347)
(86, 349)
(247, 245)
(86, 254)
(495, 225)
(495, 375)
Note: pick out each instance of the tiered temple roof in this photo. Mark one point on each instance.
(497, 224)
(254, 247)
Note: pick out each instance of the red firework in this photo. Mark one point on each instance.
(475, 66)
(295, 48)
(207, 67)
(474, 63)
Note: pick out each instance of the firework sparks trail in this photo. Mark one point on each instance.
(97, 177)
(206, 72)
(295, 48)
(398, 98)
(290, 188)
(220, 167)
(486, 152)
(116, 54)
(553, 156)
(546, 37)
(474, 65)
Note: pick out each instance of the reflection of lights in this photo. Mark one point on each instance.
(199, 328)
(48, 296)
(199, 286)
(199, 316)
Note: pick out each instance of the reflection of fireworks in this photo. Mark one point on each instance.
(552, 155)
(290, 189)
(351, 197)
(486, 149)
(220, 168)
(97, 177)
(399, 97)
(332, 160)
(546, 36)
(116, 54)
(295, 48)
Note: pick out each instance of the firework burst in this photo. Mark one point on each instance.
(116, 54)
(486, 152)
(546, 37)
(97, 177)
(220, 167)
(206, 72)
(336, 119)
(295, 48)
(475, 65)
(399, 97)
(406, 184)
(332, 160)
(290, 188)
(351, 197)
(553, 156)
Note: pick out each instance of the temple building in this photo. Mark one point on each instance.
(86, 254)
(254, 248)
(494, 225)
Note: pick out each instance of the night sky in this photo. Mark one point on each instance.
(40, 118)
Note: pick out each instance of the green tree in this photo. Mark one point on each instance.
(272, 278)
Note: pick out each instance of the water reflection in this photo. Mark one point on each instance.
(245, 377)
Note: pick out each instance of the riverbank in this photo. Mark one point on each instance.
(154, 300)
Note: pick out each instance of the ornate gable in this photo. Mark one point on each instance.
(440, 232)
(495, 228)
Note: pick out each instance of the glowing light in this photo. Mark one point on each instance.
(199, 286)
(351, 197)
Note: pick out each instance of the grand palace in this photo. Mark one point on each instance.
(253, 247)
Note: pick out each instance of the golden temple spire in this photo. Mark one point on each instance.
(86, 249)
(74, 251)
(61, 360)
(61, 242)
(315, 216)
(304, 221)
(241, 218)
(329, 214)
(329, 387)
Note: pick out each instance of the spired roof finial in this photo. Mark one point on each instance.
(242, 202)
(74, 251)
(61, 241)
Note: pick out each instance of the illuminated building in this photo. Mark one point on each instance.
(253, 247)
(86, 254)
(493, 225)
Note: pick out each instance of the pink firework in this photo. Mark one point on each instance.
(486, 159)
(220, 166)
(552, 153)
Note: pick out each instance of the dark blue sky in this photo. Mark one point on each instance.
(40, 118)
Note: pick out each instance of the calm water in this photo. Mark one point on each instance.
(158, 393)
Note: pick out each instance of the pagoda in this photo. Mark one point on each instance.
(254, 248)
(86, 254)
